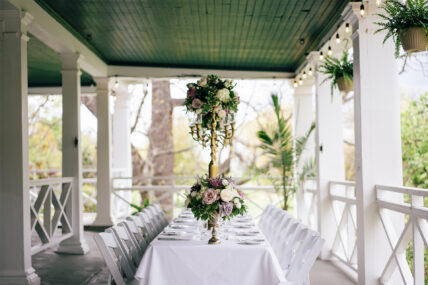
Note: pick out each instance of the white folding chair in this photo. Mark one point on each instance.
(135, 234)
(115, 259)
(151, 230)
(289, 243)
(141, 225)
(304, 258)
(126, 243)
(161, 214)
(154, 218)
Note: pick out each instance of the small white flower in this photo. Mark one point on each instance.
(225, 182)
(236, 201)
(193, 194)
(221, 113)
(223, 95)
(203, 82)
(238, 205)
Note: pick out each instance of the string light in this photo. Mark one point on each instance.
(295, 83)
(330, 52)
(116, 83)
(321, 55)
(310, 71)
(362, 10)
(304, 75)
(378, 2)
(300, 81)
(337, 38)
(347, 28)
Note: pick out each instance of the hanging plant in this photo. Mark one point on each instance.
(340, 72)
(406, 24)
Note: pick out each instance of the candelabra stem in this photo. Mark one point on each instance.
(213, 167)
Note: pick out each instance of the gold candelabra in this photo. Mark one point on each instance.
(218, 132)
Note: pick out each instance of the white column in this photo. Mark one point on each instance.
(71, 150)
(15, 228)
(329, 153)
(122, 152)
(377, 135)
(303, 117)
(104, 148)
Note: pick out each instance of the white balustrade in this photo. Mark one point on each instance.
(415, 233)
(310, 196)
(49, 198)
(342, 195)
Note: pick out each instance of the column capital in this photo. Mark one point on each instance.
(70, 61)
(103, 83)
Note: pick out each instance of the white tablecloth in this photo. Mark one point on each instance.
(171, 262)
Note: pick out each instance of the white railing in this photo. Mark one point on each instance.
(343, 201)
(415, 231)
(48, 200)
(251, 191)
(310, 197)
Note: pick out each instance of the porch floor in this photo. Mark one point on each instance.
(59, 269)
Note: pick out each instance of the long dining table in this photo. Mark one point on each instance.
(181, 255)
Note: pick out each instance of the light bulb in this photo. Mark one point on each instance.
(300, 81)
(347, 28)
(362, 10)
(330, 52)
(116, 84)
(304, 74)
(378, 2)
(321, 55)
(295, 83)
(310, 71)
(337, 38)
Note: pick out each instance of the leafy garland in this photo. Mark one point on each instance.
(211, 94)
(210, 198)
(336, 69)
(400, 17)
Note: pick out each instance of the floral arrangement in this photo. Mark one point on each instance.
(211, 198)
(211, 94)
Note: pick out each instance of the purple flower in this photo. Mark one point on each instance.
(196, 103)
(196, 187)
(210, 196)
(216, 183)
(225, 209)
(191, 93)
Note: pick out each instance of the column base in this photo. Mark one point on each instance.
(27, 278)
(103, 222)
(71, 246)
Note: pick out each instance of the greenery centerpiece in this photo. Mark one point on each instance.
(340, 71)
(406, 23)
(213, 104)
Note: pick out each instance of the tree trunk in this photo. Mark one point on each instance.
(161, 148)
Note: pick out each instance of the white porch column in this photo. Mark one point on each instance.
(71, 150)
(377, 136)
(329, 153)
(122, 152)
(303, 117)
(15, 228)
(104, 147)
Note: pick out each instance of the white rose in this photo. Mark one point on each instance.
(203, 82)
(236, 201)
(221, 113)
(226, 195)
(238, 205)
(223, 95)
(193, 194)
(225, 182)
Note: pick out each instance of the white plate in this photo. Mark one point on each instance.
(173, 238)
(251, 242)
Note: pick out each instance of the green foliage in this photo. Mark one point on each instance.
(277, 145)
(414, 134)
(336, 69)
(399, 17)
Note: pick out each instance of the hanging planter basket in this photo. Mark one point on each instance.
(345, 86)
(413, 40)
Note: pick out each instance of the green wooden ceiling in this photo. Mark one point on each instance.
(261, 35)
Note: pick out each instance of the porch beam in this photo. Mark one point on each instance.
(56, 36)
(15, 228)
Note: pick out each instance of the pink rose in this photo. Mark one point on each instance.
(241, 194)
(210, 196)
(196, 103)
